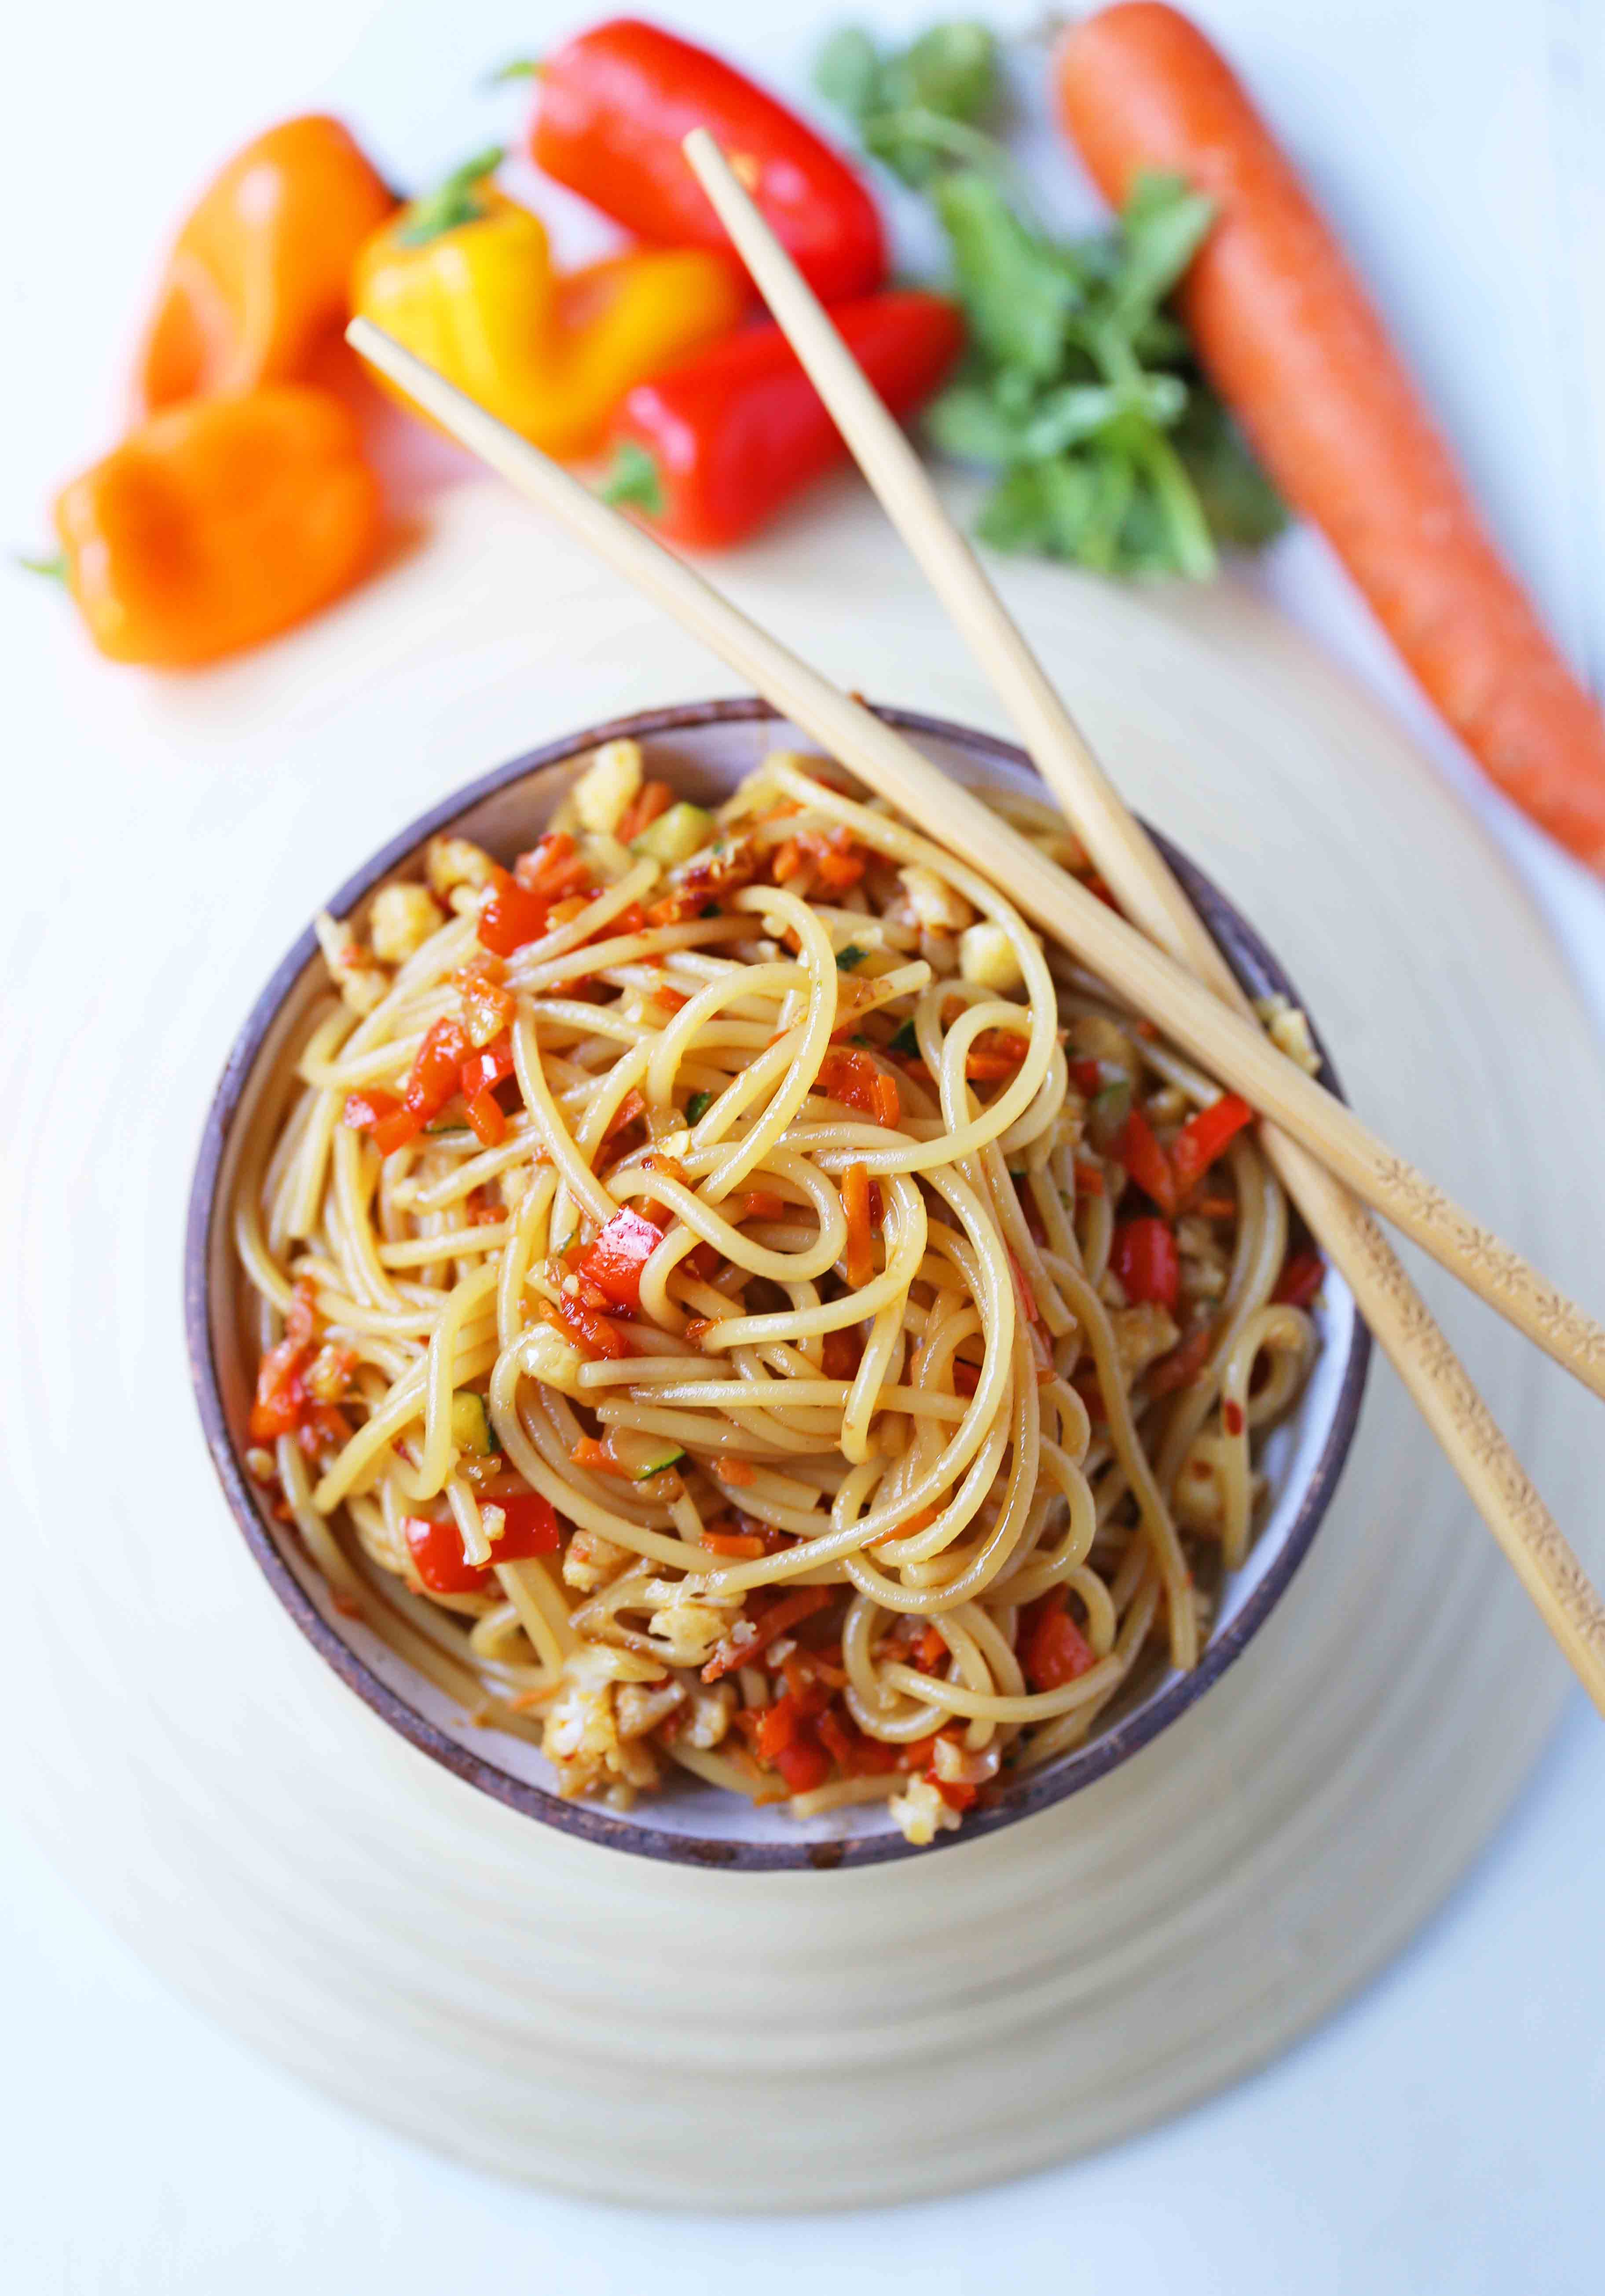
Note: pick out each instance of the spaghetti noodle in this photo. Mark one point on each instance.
(730, 1299)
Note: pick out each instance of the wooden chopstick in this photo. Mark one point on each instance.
(1223, 1042)
(1137, 873)
(1228, 1044)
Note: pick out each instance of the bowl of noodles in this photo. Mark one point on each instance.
(725, 1341)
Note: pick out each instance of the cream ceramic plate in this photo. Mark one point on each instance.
(552, 2009)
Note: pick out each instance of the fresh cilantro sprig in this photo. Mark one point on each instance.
(919, 107)
(1081, 389)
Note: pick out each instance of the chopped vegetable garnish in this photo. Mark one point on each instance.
(530, 1528)
(1145, 1257)
(614, 1259)
(1203, 1137)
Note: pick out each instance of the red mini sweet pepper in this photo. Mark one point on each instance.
(712, 447)
(611, 109)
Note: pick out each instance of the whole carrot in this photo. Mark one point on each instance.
(1291, 339)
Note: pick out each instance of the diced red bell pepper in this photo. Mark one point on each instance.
(281, 1399)
(851, 1076)
(437, 1071)
(364, 1110)
(1139, 1150)
(486, 1006)
(803, 1764)
(1205, 1135)
(1303, 1275)
(954, 1791)
(510, 916)
(490, 1066)
(531, 1525)
(281, 1402)
(613, 1260)
(388, 1123)
(1145, 1257)
(1053, 1649)
(487, 1120)
(553, 866)
(436, 1547)
(594, 1335)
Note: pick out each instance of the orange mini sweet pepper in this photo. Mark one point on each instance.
(464, 279)
(256, 285)
(219, 524)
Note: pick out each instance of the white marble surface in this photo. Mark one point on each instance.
(1443, 2132)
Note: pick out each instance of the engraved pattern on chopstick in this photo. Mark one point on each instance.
(1540, 1305)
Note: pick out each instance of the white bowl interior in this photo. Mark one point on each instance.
(707, 761)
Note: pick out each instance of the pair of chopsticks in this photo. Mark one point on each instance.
(1163, 961)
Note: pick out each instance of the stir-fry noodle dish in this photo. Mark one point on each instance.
(729, 1300)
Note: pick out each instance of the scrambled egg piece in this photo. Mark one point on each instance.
(402, 918)
(986, 957)
(692, 1621)
(1143, 1334)
(932, 902)
(450, 863)
(923, 1813)
(1290, 1031)
(591, 1561)
(361, 983)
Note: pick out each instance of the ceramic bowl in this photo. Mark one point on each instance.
(704, 748)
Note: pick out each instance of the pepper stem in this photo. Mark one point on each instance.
(634, 480)
(52, 570)
(453, 202)
(516, 68)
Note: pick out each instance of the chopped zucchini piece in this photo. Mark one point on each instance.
(470, 1428)
(642, 1457)
(548, 1358)
(676, 836)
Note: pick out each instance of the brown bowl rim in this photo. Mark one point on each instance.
(1253, 962)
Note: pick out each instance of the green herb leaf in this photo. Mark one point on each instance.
(1243, 508)
(1162, 224)
(698, 1106)
(906, 1040)
(1016, 290)
(1081, 390)
(917, 108)
(848, 73)
(634, 478)
(846, 958)
(1105, 1118)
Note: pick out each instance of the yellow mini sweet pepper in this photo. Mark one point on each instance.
(464, 278)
